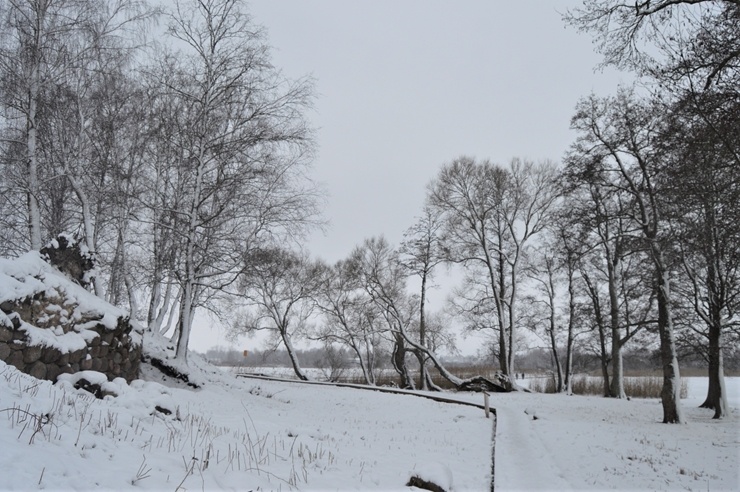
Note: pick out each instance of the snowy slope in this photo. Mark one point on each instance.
(253, 435)
(240, 434)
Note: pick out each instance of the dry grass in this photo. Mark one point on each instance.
(634, 386)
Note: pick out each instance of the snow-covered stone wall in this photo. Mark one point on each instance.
(49, 325)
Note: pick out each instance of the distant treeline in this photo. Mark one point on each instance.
(537, 360)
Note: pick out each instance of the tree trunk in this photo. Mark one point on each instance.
(716, 394)
(291, 353)
(553, 326)
(422, 334)
(556, 359)
(34, 212)
(670, 396)
(423, 373)
(370, 357)
(399, 362)
(617, 383)
(185, 322)
(87, 221)
(571, 336)
(604, 355)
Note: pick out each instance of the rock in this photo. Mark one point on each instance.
(38, 370)
(420, 483)
(66, 255)
(16, 359)
(31, 354)
(4, 351)
(52, 371)
(50, 355)
(6, 334)
(98, 365)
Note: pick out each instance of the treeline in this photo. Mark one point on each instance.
(531, 361)
(183, 165)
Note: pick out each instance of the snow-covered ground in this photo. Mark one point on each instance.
(242, 434)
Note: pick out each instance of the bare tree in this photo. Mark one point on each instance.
(421, 252)
(704, 185)
(490, 214)
(240, 144)
(618, 136)
(379, 270)
(676, 41)
(349, 316)
(46, 44)
(279, 286)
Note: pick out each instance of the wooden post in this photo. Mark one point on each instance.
(485, 403)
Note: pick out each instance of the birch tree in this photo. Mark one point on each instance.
(241, 145)
(46, 45)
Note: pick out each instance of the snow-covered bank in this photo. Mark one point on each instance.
(240, 434)
(233, 435)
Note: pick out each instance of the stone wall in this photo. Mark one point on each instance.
(113, 352)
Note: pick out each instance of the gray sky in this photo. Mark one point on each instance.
(405, 86)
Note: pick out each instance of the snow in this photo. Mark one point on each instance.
(23, 277)
(248, 434)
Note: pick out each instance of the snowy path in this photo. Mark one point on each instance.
(523, 461)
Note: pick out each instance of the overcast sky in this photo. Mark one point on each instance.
(405, 86)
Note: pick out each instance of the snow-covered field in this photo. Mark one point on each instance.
(242, 434)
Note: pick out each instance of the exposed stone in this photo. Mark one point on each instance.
(6, 334)
(86, 364)
(98, 364)
(16, 359)
(77, 355)
(38, 370)
(163, 410)
(4, 351)
(52, 371)
(171, 371)
(420, 483)
(95, 389)
(65, 254)
(31, 354)
(50, 355)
